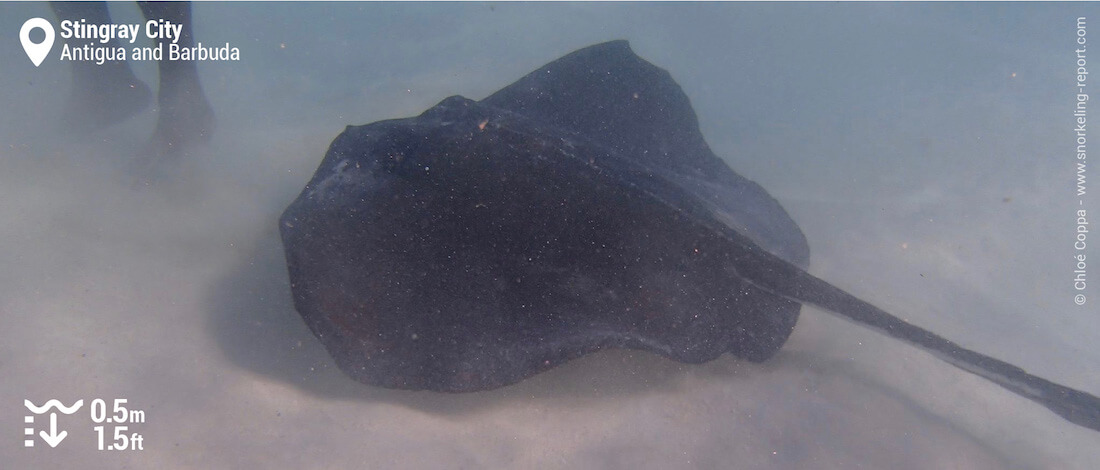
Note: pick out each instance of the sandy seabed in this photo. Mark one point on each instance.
(924, 150)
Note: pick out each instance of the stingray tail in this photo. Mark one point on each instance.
(791, 282)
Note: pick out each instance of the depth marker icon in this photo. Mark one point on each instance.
(53, 438)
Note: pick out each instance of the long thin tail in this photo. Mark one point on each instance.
(793, 283)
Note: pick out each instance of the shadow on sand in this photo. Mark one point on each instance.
(251, 315)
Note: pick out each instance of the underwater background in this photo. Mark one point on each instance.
(926, 150)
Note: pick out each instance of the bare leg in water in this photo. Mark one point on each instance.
(103, 95)
(184, 116)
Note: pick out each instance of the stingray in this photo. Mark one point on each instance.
(577, 209)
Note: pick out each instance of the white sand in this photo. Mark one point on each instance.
(928, 179)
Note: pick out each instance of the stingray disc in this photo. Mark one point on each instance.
(577, 209)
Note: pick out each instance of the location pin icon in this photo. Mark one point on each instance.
(37, 52)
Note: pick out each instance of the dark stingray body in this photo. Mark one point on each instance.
(577, 209)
